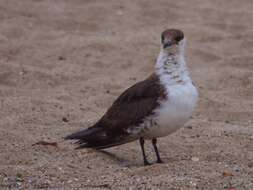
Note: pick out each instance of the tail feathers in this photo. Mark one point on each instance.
(86, 134)
(98, 145)
(97, 138)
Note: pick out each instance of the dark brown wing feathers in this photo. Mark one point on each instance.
(134, 104)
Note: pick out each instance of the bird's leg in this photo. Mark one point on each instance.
(143, 152)
(154, 141)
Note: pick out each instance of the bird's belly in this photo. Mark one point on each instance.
(173, 112)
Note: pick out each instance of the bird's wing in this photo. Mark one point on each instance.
(133, 105)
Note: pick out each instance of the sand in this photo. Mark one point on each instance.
(63, 63)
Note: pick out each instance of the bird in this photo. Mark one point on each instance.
(153, 108)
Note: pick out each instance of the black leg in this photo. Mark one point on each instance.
(154, 141)
(143, 152)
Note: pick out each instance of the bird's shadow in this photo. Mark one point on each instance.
(128, 163)
(120, 160)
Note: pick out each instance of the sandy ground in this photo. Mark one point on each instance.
(62, 63)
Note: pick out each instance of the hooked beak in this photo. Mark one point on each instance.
(167, 44)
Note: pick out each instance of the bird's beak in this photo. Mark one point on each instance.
(167, 44)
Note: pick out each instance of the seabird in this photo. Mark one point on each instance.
(152, 108)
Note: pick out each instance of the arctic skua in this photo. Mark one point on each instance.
(153, 108)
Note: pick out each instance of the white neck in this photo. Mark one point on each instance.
(171, 67)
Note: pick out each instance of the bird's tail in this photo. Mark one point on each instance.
(97, 138)
(87, 134)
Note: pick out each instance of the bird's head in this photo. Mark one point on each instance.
(172, 41)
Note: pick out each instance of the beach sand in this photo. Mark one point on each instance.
(63, 63)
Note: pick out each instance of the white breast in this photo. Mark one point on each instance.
(174, 112)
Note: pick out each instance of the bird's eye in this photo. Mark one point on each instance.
(177, 39)
(162, 38)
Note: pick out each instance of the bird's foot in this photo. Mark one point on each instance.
(146, 163)
(159, 161)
